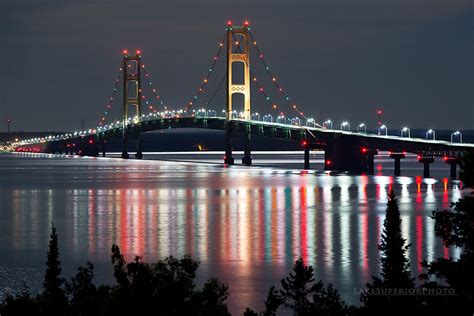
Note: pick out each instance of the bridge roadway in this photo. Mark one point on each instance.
(344, 150)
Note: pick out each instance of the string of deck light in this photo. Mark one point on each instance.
(219, 86)
(108, 106)
(209, 73)
(153, 90)
(274, 80)
(260, 87)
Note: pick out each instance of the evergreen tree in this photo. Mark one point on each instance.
(298, 287)
(53, 299)
(395, 269)
(391, 291)
(301, 295)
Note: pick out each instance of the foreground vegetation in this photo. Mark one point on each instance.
(168, 286)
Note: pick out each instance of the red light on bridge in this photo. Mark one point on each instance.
(418, 157)
(125, 52)
(379, 112)
(91, 141)
(304, 143)
(404, 152)
(246, 23)
(364, 150)
(229, 23)
(139, 52)
(445, 158)
(328, 162)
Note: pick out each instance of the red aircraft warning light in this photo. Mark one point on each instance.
(139, 52)
(246, 23)
(363, 150)
(229, 23)
(125, 52)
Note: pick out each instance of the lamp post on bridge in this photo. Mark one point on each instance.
(431, 132)
(456, 133)
(405, 131)
(327, 124)
(383, 127)
(346, 124)
(362, 126)
(311, 122)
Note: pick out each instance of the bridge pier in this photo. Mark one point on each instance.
(247, 159)
(102, 147)
(228, 159)
(89, 147)
(452, 162)
(306, 156)
(125, 146)
(397, 157)
(341, 154)
(426, 161)
(371, 160)
(139, 154)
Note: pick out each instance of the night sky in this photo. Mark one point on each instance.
(337, 59)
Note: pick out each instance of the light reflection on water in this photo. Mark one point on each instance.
(245, 225)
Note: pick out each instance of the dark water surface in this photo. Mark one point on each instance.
(245, 225)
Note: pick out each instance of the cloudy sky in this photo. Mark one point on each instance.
(338, 59)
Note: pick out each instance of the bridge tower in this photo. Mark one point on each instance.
(243, 56)
(132, 96)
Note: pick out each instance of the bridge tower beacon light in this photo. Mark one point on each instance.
(379, 117)
(240, 57)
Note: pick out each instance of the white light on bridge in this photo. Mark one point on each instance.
(362, 127)
(327, 124)
(458, 135)
(311, 122)
(346, 125)
(431, 133)
(384, 129)
(405, 132)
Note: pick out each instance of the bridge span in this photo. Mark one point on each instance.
(344, 150)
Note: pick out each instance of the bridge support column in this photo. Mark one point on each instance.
(341, 154)
(452, 162)
(397, 157)
(370, 160)
(125, 146)
(306, 157)
(102, 145)
(139, 154)
(228, 159)
(247, 159)
(426, 161)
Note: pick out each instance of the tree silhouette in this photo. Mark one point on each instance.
(456, 227)
(85, 299)
(390, 291)
(395, 269)
(53, 299)
(300, 294)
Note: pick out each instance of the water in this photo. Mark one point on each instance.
(245, 225)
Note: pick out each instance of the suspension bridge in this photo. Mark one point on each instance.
(345, 149)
